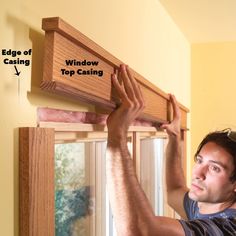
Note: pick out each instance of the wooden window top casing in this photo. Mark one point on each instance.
(64, 42)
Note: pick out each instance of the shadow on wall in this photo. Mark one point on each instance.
(19, 38)
(24, 35)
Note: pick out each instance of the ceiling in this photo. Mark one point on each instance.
(204, 20)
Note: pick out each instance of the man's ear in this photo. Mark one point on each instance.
(234, 183)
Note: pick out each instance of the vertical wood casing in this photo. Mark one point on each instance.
(36, 181)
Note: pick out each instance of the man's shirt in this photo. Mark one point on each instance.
(222, 223)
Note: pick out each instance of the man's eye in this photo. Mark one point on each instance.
(215, 169)
(198, 160)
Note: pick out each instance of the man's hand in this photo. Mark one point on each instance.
(132, 103)
(173, 129)
(175, 180)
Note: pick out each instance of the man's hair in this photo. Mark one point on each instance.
(222, 138)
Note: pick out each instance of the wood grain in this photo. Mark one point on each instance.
(64, 42)
(36, 181)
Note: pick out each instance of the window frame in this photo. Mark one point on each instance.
(36, 155)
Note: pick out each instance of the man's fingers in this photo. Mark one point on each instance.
(136, 87)
(175, 106)
(127, 83)
(128, 90)
(132, 80)
(164, 126)
(119, 88)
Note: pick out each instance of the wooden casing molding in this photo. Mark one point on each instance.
(64, 42)
(36, 182)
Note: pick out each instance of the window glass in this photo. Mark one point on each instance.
(71, 190)
(152, 172)
(81, 200)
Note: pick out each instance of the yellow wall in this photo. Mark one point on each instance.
(139, 33)
(213, 89)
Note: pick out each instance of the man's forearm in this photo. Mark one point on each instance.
(132, 212)
(174, 172)
(131, 209)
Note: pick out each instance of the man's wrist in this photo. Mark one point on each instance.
(117, 140)
(175, 137)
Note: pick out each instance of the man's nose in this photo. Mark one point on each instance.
(199, 172)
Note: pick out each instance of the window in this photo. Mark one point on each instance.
(72, 189)
(67, 179)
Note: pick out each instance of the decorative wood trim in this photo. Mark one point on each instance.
(63, 42)
(60, 126)
(36, 182)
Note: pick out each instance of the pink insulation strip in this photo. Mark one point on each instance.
(57, 115)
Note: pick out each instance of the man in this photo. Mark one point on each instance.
(207, 208)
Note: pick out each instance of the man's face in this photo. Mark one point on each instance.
(211, 175)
